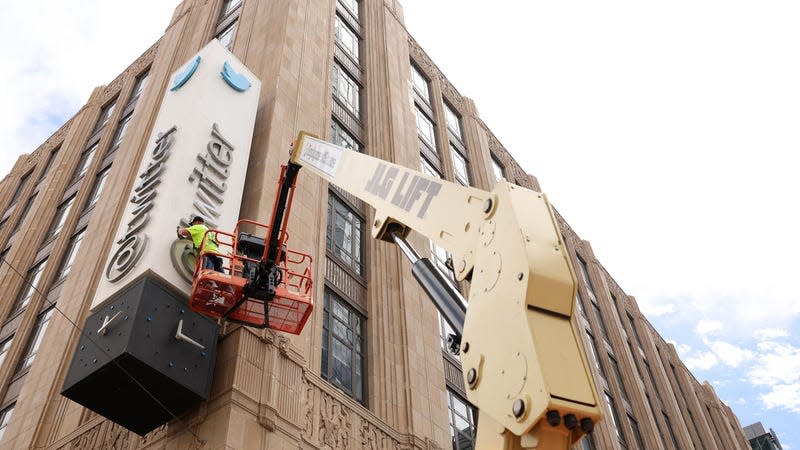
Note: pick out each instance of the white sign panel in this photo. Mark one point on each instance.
(194, 165)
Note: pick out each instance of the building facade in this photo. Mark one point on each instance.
(760, 438)
(371, 369)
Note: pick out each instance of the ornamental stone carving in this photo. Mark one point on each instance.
(335, 424)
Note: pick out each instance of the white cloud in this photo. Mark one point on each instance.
(708, 326)
(701, 361)
(786, 396)
(770, 333)
(657, 310)
(730, 354)
(776, 364)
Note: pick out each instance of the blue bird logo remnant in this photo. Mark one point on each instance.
(184, 76)
(235, 80)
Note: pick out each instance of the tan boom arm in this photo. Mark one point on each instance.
(523, 365)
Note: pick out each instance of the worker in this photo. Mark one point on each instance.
(195, 232)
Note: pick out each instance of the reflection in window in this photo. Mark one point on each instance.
(462, 422)
(105, 115)
(425, 128)
(440, 257)
(428, 168)
(497, 170)
(61, 217)
(452, 120)
(420, 84)
(97, 189)
(345, 89)
(141, 83)
(346, 37)
(121, 129)
(340, 136)
(345, 233)
(5, 418)
(351, 5)
(29, 287)
(83, 165)
(228, 6)
(343, 349)
(226, 36)
(614, 417)
(459, 166)
(4, 346)
(70, 255)
(49, 164)
(20, 187)
(35, 340)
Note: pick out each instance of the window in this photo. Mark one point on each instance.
(4, 346)
(579, 302)
(226, 35)
(3, 224)
(120, 134)
(228, 6)
(420, 84)
(21, 187)
(586, 443)
(105, 115)
(141, 83)
(425, 128)
(615, 418)
(62, 212)
(440, 257)
(346, 38)
(615, 369)
(97, 189)
(452, 121)
(462, 422)
(343, 348)
(48, 164)
(637, 435)
(83, 165)
(600, 322)
(595, 355)
(24, 213)
(5, 418)
(345, 233)
(586, 281)
(345, 89)
(444, 331)
(497, 169)
(70, 255)
(459, 166)
(340, 136)
(633, 327)
(29, 287)
(352, 6)
(35, 340)
(428, 168)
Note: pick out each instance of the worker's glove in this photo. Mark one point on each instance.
(178, 232)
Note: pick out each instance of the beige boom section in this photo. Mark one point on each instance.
(523, 365)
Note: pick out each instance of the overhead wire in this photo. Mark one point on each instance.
(51, 303)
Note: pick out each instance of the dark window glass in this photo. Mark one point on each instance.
(62, 213)
(462, 422)
(444, 331)
(29, 287)
(340, 136)
(20, 187)
(343, 346)
(346, 89)
(24, 214)
(637, 435)
(70, 255)
(586, 443)
(428, 168)
(600, 321)
(345, 233)
(5, 418)
(34, 341)
(617, 376)
(48, 164)
(595, 355)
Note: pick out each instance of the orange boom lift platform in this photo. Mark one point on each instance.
(263, 284)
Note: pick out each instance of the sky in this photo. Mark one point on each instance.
(664, 132)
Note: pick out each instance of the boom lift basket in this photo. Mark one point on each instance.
(222, 294)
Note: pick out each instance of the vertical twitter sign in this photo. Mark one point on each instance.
(194, 165)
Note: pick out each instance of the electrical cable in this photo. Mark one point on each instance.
(52, 304)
